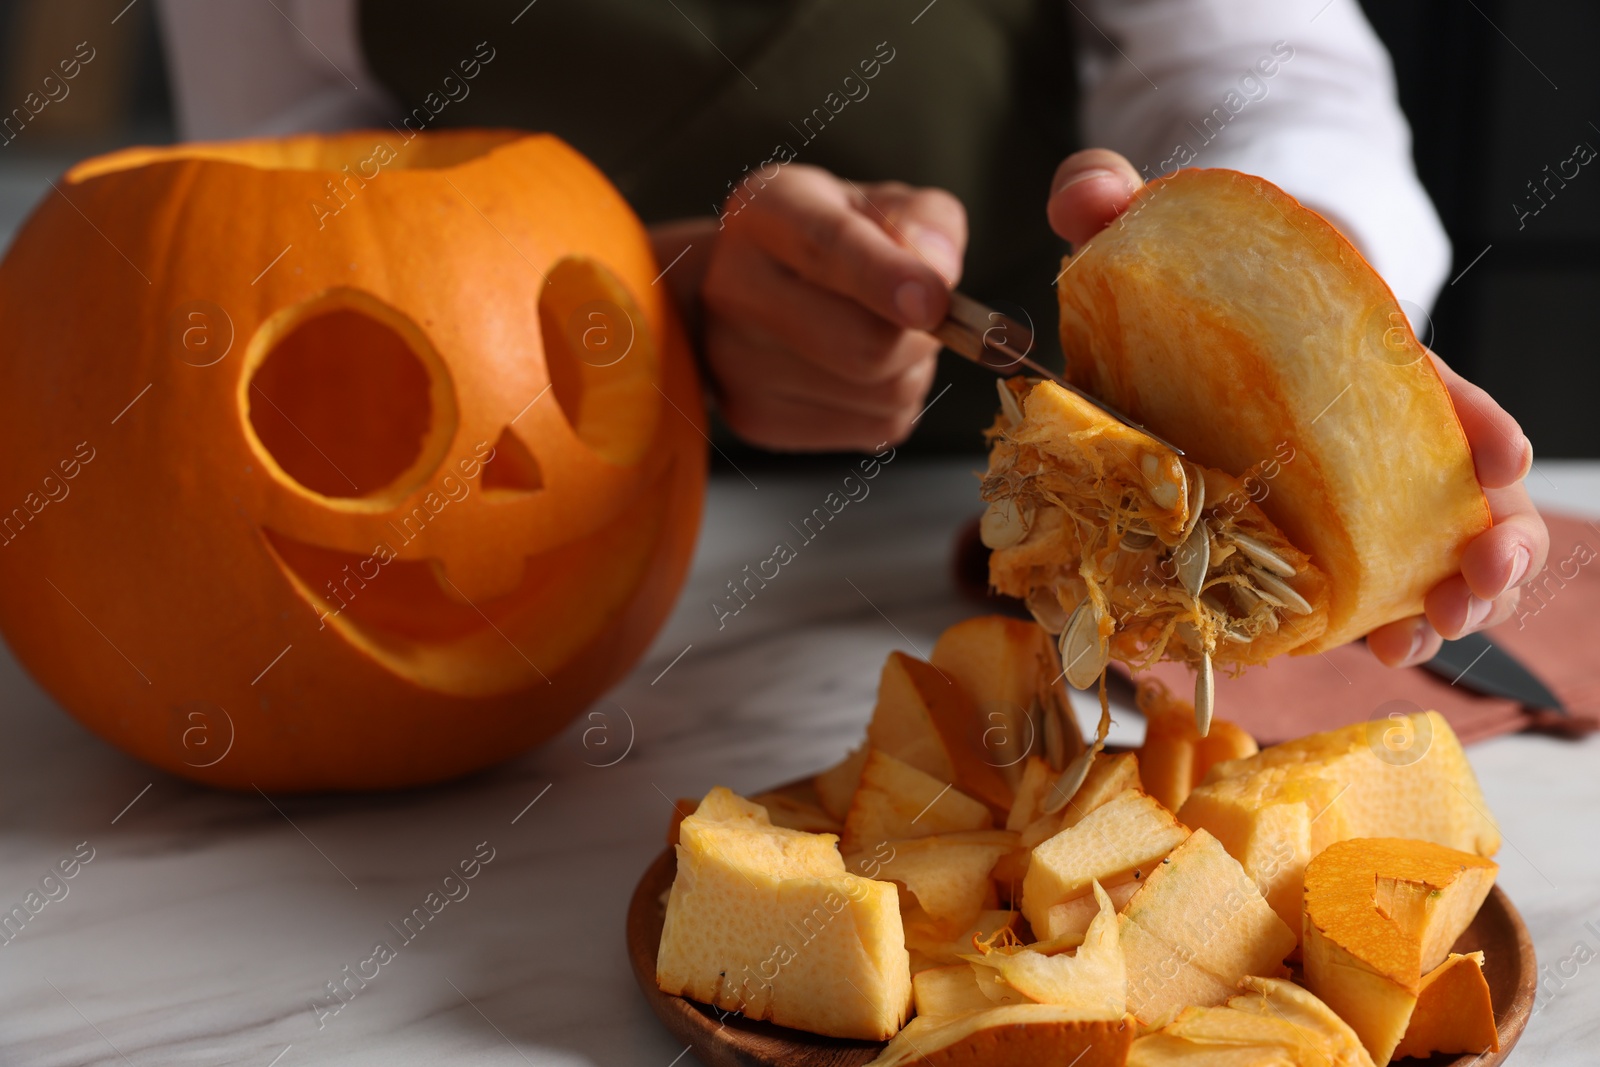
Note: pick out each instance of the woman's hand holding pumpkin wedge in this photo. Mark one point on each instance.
(1499, 560)
(1093, 187)
(815, 293)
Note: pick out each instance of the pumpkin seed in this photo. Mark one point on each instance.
(1067, 782)
(1005, 523)
(1246, 597)
(1054, 730)
(1083, 650)
(1193, 559)
(1046, 609)
(1205, 691)
(1261, 555)
(1165, 492)
(1262, 594)
(1137, 537)
(1008, 403)
(1249, 599)
(1197, 502)
(1275, 590)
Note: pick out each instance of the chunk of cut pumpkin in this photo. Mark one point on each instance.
(836, 785)
(951, 990)
(1010, 1035)
(946, 874)
(1454, 1012)
(1174, 757)
(930, 946)
(1195, 928)
(1109, 774)
(1128, 833)
(1379, 914)
(1276, 810)
(766, 920)
(1071, 918)
(1270, 1023)
(1010, 670)
(895, 800)
(926, 719)
(1093, 980)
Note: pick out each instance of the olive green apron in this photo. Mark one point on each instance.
(678, 100)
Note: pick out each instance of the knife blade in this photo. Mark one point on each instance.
(1475, 662)
(998, 342)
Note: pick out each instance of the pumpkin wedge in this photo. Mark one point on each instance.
(1108, 776)
(766, 920)
(1092, 979)
(1379, 914)
(895, 800)
(926, 719)
(1010, 670)
(1454, 1012)
(947, 875)
(1027, 804)
(1326, 484)
(1195, 928)
(1276, 810)
(1010, 1035)
(953, 990)
(931, 947)
(1127, 834)
(836, 785)
(1175, 757)
(1070, 919)
(1270, 1023)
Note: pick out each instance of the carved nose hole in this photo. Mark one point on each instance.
(514, 468)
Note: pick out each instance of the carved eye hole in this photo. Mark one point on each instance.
(341, 396)
(601, 359)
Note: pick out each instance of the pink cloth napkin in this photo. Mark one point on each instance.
(1553, 633)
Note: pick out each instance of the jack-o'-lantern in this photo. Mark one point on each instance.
(339, 463)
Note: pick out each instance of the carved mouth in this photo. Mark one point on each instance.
(406, 614)
(404, 598)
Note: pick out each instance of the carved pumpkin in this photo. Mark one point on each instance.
(339, 463)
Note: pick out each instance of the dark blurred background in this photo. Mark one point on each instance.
(1496, 91)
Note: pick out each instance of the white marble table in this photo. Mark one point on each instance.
(206, 923)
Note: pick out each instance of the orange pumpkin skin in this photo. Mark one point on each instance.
(200, 593)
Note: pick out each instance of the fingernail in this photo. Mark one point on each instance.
(1477, 611)
(1418, 635)
(939, 251)
(1091, 174)
(1519, 565)
(913, 301)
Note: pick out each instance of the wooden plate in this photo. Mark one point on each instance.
(728, 1039)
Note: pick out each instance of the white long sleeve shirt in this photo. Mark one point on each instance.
(1325, 125)
(1166, 83)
